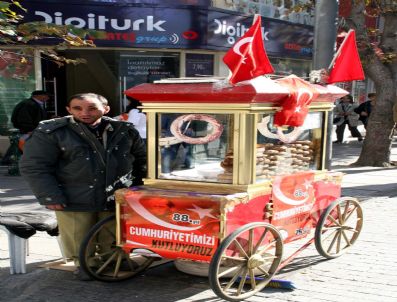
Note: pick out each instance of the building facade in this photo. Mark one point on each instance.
(148, 40)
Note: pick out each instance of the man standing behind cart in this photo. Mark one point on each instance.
(73, 165)
(28, 113)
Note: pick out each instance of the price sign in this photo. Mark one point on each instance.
(199, 64)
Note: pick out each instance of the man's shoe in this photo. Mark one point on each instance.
(360, 139)
(81, 275)
(337, 142)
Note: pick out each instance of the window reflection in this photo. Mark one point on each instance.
(193, 146)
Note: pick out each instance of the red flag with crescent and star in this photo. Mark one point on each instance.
(295, 107)
(247, 59)
(346, 65)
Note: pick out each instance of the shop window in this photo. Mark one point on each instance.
(136, 68)
(199, 65)
(16, 84)
(286, 66)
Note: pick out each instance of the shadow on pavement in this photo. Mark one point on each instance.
(376, 190)
(302, 262)
(356, 170)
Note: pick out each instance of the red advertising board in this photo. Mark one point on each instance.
(171, 224)
(293, 200)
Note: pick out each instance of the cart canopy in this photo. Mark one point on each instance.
(198, 90)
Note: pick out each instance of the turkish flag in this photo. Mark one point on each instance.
(294, 107)
(247, 59)
(347, 65)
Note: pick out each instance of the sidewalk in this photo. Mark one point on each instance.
(364, 182)
(367, 273)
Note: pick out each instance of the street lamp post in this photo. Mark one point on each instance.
(325, 27)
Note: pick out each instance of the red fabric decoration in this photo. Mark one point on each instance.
(347, 65)
(294, 108)
(247, 59)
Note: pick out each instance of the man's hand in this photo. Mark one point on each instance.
(364, 113)
(55, 207)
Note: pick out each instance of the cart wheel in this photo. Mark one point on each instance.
(339, 227)
(245, 261)
(108, 262)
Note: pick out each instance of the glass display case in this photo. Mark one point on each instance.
(198, 147)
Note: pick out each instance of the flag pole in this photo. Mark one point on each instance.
(339, 50)
(256, 16)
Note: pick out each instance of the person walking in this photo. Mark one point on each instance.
(364, 109)
(75, 163)
(345, 115)
(28, 113)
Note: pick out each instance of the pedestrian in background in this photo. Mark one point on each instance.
(28, 113)
(344, 115)
(73, 165)
(364, 110)
(137, 117)
(134, 115)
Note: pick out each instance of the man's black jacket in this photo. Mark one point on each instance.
(27, 115)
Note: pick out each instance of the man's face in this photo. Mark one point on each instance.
(88, 111)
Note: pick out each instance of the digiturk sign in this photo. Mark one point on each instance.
(100, 22)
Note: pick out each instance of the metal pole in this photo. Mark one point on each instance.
(325, 27)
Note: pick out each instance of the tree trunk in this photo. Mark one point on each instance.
(377, 144)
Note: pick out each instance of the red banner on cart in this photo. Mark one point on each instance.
(184, 226)
(293, 199)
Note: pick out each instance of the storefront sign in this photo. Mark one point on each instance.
(127, 25)
(187, 27)
(280, 38)
(164, 2)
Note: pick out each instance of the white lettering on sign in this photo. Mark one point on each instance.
(292, 211)
(101, 22)
(233, 32)
(172, 235)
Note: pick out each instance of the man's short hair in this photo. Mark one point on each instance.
(83, 96)
(40, 92)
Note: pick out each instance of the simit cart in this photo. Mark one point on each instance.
(227, 189)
